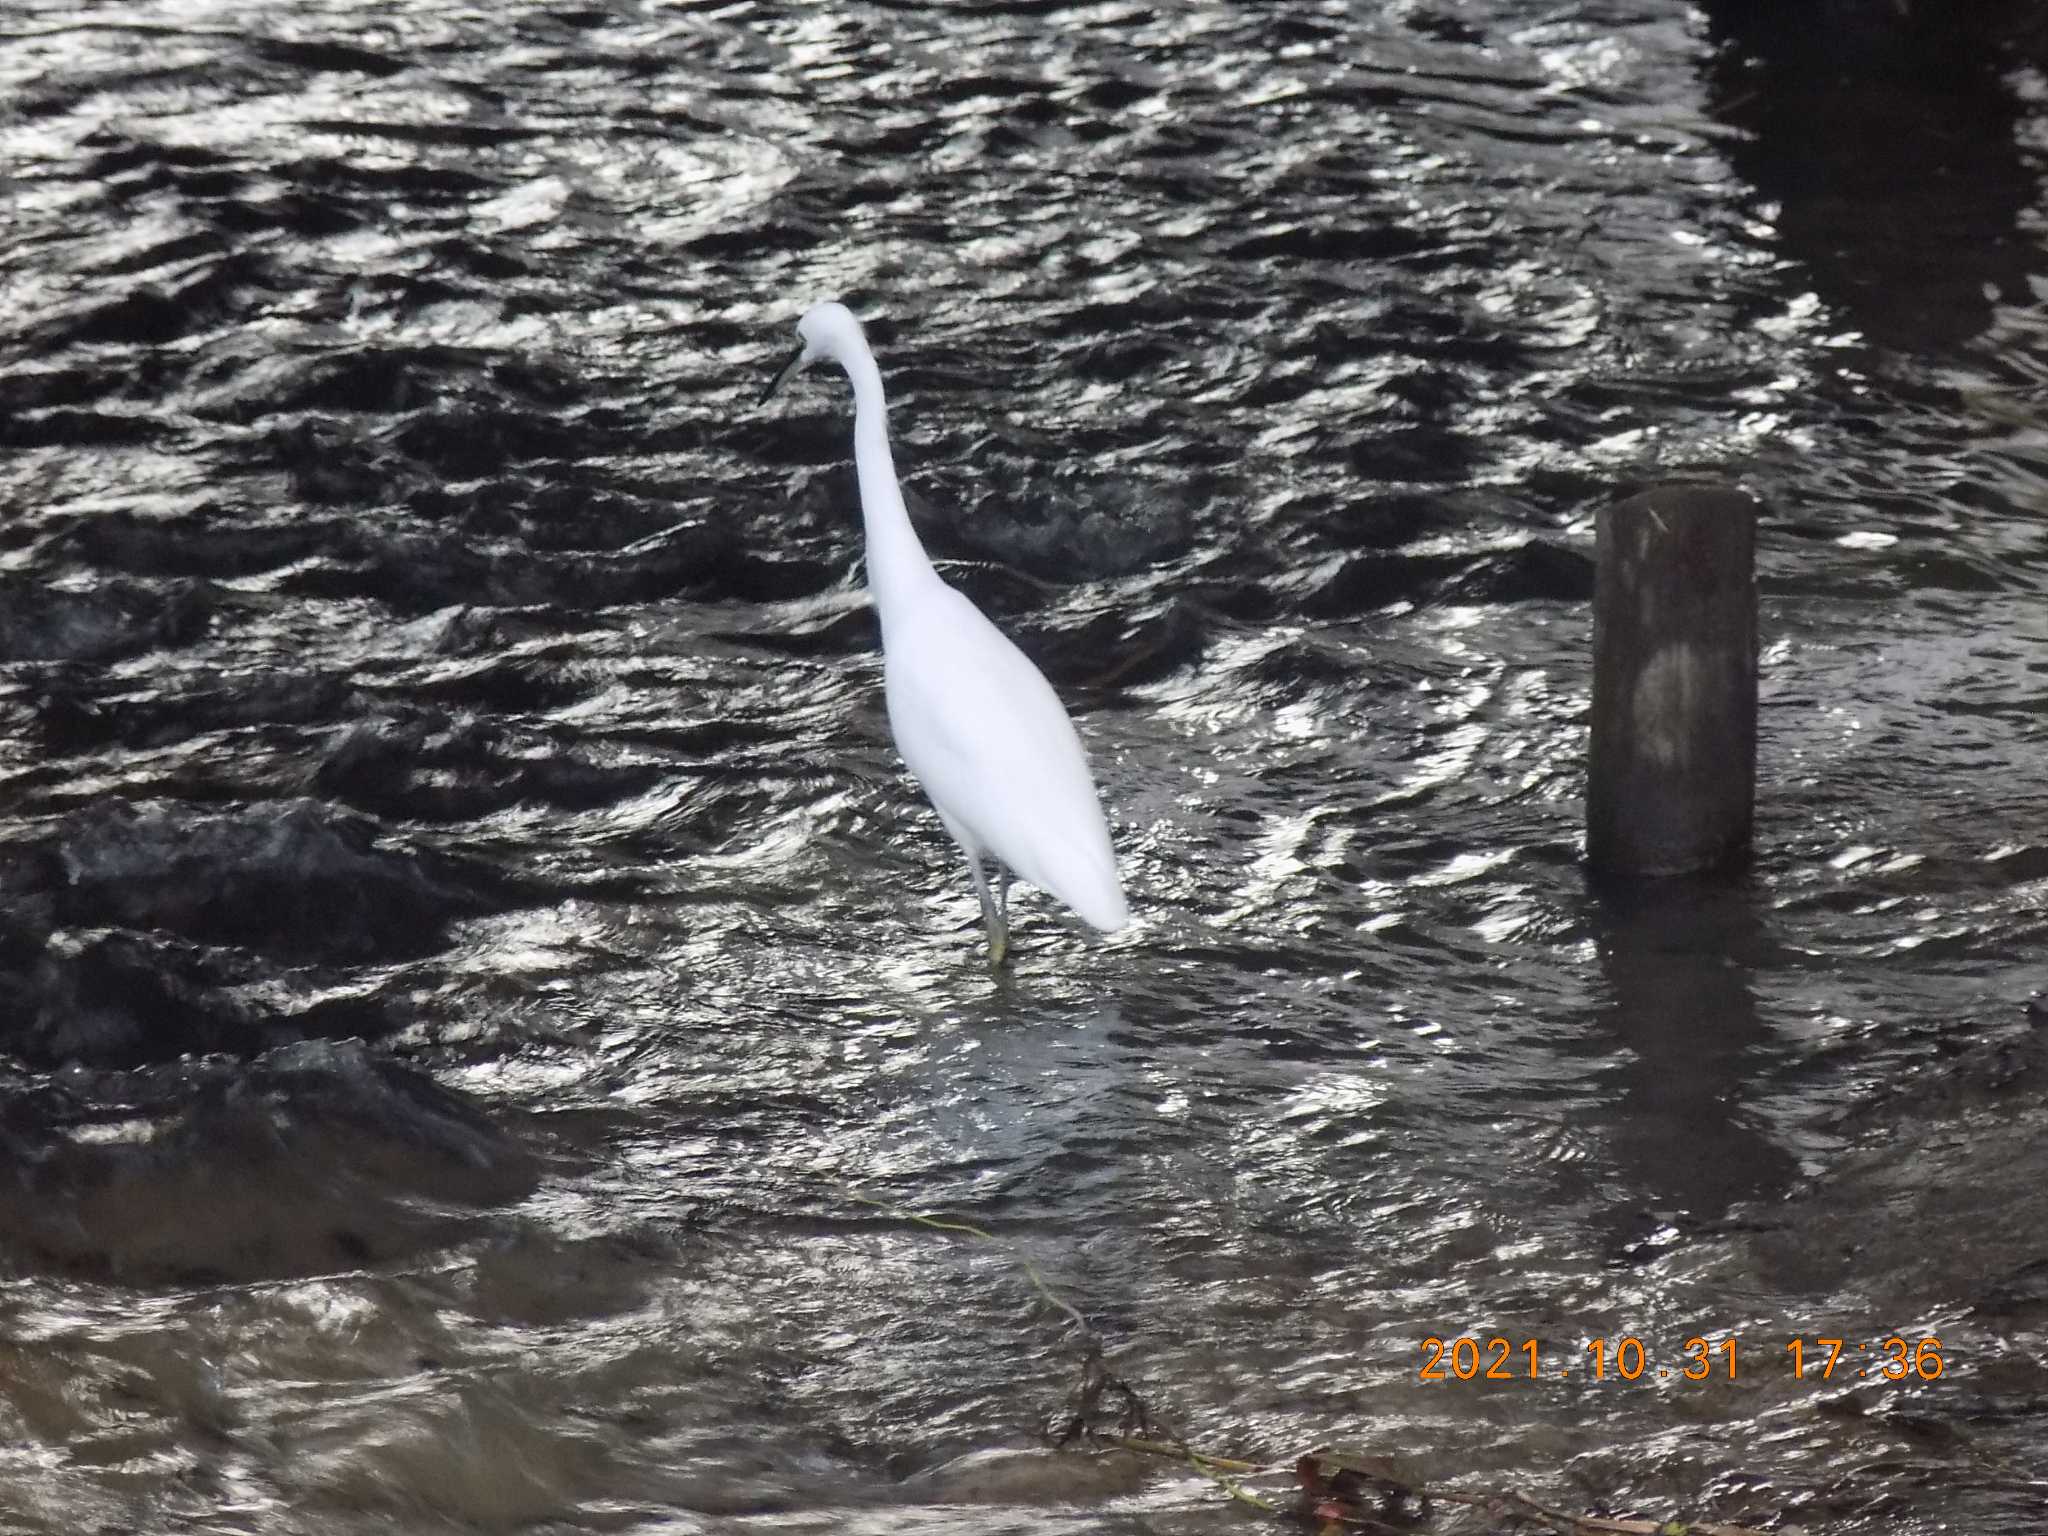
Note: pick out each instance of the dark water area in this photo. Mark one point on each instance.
(479, 995)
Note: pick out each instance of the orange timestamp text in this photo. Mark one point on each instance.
(1467, 1357)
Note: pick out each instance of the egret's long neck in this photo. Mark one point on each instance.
(897, 563)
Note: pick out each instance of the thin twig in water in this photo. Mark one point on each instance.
(968, 1229)
(1162, 1448)
(1224, 1471)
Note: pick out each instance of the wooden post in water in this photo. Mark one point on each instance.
(1671, 785)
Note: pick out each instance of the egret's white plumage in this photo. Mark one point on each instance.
(978, 723)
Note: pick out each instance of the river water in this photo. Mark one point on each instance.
(483, 1001)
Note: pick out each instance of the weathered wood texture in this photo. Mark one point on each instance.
(1671, 785)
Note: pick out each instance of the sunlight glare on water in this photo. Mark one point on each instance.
(486, 1001)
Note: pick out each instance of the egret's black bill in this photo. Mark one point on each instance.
(787, 369)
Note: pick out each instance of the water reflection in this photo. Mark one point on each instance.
(1885, 144)
(412, 650)
(1685, 1134)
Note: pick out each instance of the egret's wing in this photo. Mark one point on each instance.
(990, 742)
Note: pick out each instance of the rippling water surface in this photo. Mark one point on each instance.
(482, 996)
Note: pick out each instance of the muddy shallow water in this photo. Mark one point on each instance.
(483, 1001)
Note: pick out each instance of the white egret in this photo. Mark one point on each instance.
(978, 724)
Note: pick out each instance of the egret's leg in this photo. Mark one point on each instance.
(999, 930)
(997, 917)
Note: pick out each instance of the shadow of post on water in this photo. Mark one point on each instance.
(1886, 136)
(1677, 957)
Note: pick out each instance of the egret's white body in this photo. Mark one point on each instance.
(978, 724)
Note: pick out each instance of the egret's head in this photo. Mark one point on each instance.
(826, 330)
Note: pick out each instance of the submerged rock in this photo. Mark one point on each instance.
(299, 880)
(320, 1156)
(112, 619)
